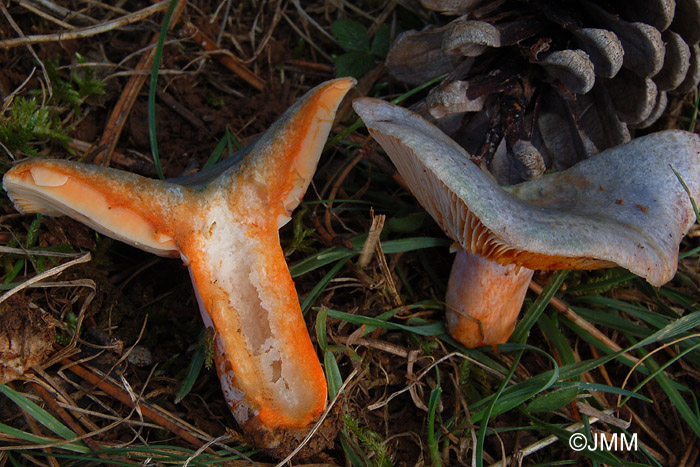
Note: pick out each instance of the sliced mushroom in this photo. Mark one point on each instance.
(604, 211)
(227, 233)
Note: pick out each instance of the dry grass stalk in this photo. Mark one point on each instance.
(372, 241)
(90, 31)
(588, 327)
(152, 411)
(122, 108)
(225, 57)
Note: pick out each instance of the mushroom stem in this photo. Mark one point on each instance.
(624, 206)
(224, 225)
(483, 299)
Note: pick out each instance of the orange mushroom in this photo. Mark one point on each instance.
(623, 207)
(224, 226)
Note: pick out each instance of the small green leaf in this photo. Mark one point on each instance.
(351, 35)
(333, 378)
(381, 41)
(407, 224)
(355, 64)
(202, 356)
(33, 232)
(321, 319)
(552, 400)
(192, 373)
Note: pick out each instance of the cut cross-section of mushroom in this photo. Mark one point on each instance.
(226, 231)
(624, 206)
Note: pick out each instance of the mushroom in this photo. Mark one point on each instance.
(225, 229)
(623, 207)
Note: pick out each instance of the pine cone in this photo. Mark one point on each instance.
(555, 81)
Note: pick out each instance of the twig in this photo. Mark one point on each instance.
(307, 38)
(28, 5)
(17, 29)
(320, 420)
(226, 58)
(372, 240)
(384, 267)
(65, 13)
(122, 109)
(412, 357)
(149, 410)
(182, 110)
(39, 277)
(543, 443)
(67, 402)
(89, 31)
(579, 321)
(375, 344)
(308, 18)
(34, 426)
(50, 400)
(224, 20)
(20, 251)
(388, 399)
(334, 191)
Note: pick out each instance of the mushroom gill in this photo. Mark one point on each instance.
(624, 206)
(224, 224)
(462, 225)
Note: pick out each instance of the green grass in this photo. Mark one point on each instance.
(454, 404)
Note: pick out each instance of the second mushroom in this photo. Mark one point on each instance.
(624, 206)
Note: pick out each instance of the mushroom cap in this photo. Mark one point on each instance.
(224, 224)
(624, 206)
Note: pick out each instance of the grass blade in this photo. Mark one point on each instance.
(433, 404)
(158, 54)
(41, 415)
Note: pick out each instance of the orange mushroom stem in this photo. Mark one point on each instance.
(624, 206)
(483, 309)
(224, 225)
